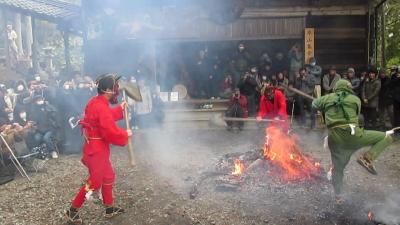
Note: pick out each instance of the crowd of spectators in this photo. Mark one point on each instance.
(43, 111)
(244, 83)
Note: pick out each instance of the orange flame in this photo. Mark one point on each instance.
(239, 168)
(284, 151)
(371, 216)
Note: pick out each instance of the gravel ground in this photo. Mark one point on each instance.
(157, 191)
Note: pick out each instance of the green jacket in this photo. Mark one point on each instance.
(341, 106)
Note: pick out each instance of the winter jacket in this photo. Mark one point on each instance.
(370, 91)
(355, 84)
(248, 86)
(385, 97)
(395, 88)
(328, 84)
(306, 84)
(316, 72)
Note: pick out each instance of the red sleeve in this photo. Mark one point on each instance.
(117, 113)
(282, 111)
(108, 128)
(263, 107)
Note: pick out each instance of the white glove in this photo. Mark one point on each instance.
(389, 132)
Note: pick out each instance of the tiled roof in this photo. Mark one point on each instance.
(49, 9)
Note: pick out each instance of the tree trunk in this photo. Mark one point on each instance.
(17, 27)
(28, 36)
(383, 44)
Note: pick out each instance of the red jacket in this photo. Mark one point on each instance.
(243, 104)
(99, 127)
(276, 107)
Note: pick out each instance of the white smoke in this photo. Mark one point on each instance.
(389, 211)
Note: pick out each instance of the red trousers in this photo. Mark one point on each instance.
(101, 175)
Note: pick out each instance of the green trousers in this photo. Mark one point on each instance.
(343, 144)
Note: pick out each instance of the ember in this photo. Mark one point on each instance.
(283, 150)
(371, 216)
(239, 168)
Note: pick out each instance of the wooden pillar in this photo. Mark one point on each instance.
(28, 36)
(35, 59)
(6, 43)
(66, 51)
(18, 30)
(382, 33)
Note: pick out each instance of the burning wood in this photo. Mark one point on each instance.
(283, 150)
(239, 168)
(372, 218)
(280, 156)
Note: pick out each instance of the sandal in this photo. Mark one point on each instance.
(73, 216)
(367, 164)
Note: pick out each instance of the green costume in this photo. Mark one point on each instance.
(342, 109)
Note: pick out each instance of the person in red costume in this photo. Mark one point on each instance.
(273, 106)
(99, 130)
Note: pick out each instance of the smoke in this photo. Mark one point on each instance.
(388, 212)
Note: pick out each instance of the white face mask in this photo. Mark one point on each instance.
(20, 87)
(37, 78)
(23, 115)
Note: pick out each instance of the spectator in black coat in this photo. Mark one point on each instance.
(385, 101)
(43, 114)
(248, 87)
(395, 92)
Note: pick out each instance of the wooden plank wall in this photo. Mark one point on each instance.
(340, 40)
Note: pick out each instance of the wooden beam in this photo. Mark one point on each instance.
(28, 36)
(35, 59)
(300, 11)
(18, 30)
(6, 44)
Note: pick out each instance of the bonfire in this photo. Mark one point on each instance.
(283, 150)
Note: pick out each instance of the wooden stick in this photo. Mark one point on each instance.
(249, 119)
(132, 159)
(297, 91)
(18, 166)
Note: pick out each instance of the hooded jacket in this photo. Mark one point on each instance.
(340, 107)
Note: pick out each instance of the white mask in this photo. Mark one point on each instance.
(20, 87)
(23, 115)
(37, 78)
